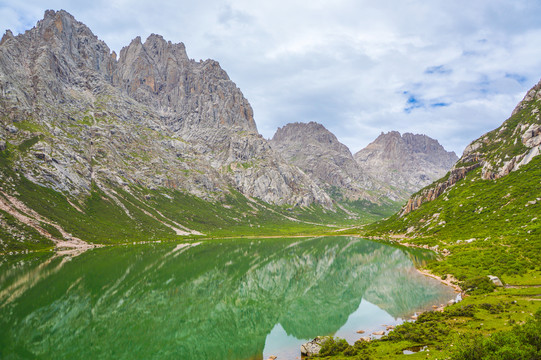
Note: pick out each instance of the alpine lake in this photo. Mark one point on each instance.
(215, 299)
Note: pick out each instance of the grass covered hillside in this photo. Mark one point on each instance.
(489, 226)
(475, 208)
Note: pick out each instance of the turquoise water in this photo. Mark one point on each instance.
(234, 299)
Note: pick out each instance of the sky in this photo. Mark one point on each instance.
(452, 70)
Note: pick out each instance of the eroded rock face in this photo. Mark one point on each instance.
(392, 167)
(407, 162)
(193, 97)
(153, 118)
(317, 151)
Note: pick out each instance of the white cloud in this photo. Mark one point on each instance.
(351, 65)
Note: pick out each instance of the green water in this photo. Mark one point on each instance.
(234, 299)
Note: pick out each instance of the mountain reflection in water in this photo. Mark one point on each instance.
(216, 299)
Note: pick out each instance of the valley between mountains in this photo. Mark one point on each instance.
(148, 145)
(151, 145)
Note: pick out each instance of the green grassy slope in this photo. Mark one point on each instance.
(484, 210)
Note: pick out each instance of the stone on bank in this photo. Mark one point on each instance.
(313, 347)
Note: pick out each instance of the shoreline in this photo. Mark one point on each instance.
(449, 281)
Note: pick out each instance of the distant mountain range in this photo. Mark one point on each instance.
(150, 144)
(390, 168)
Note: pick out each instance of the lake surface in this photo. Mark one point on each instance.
(229, 299)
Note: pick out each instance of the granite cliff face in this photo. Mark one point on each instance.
(317, 151)
(406, 162)
(153, 118)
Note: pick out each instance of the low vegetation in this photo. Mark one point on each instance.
(470, 332)
(476, 209)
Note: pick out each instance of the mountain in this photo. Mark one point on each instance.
(317, 151)
(158, 109)
(491, 192)
(380, 177)
(87, 138)
(406, 162)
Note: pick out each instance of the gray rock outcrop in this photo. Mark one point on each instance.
(317, 151)
(406, 162)
(153, 118)
(495, 280)
(313, 347)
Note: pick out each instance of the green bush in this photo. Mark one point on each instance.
(333, 347)
(429, 331)
(492, 308)
(463, 311)
(478, 285)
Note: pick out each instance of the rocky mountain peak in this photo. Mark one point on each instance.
(151, 119)
(72, 38)
(159, 49)
(7, 36)
(394, 146)
(58, 55)
(311, 132)
(533, 94)
(424, 144)
(190, 95)
(317, 151)
(408, 162)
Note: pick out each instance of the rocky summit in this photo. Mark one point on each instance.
(152, 117)
(79, 123)
(406, 162)
(317, 151)
(390, 168)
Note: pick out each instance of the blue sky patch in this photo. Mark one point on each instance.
(438, 70)
(412, 103)
(439, 104)
(517, 77)
(415, 102)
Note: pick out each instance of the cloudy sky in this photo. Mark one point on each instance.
(449, 69)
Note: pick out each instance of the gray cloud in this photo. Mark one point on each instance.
(356, 66)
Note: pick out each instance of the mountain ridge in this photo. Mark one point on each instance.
(148, 145)
(189, 102)
(392, 167)
(317, 151)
